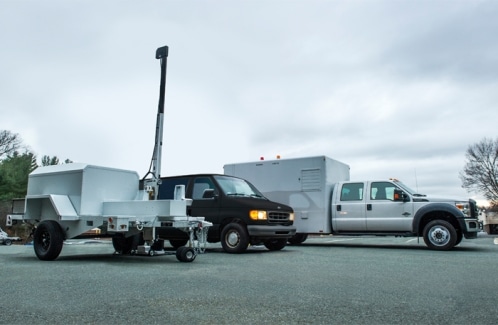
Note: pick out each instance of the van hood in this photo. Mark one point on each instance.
(260, 204)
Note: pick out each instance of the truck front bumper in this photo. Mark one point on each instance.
(470, 227)
(271, 231)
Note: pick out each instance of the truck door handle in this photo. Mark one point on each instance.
(369, 207)
(338, 207)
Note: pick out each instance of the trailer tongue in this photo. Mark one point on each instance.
(65, 201)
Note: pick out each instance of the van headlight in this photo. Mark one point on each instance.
(258, 215)
(464, 207)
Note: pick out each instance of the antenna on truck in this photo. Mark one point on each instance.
(155, 164)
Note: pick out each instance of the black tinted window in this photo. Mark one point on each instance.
(167, 187)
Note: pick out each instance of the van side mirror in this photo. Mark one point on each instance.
(400, 196)
(208, 193)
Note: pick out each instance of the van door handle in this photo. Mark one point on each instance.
(338, 207)
(369, 207)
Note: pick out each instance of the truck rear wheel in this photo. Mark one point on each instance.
(48, 240)
(276, 244)
(234, 238)
(440, 235)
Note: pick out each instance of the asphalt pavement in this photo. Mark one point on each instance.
(327, 280)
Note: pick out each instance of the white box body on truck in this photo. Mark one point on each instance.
(305, 184)
(326, 202)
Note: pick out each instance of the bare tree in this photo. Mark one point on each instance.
(9, 142)
(480, 172)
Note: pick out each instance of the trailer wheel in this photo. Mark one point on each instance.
(275, 244)
(126, 245)
(440, 235)
(48, 240)
(177, 243)
(298, 238)
(234, 238)
(185, 254)
(7, 242)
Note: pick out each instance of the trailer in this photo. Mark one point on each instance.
(65, 201)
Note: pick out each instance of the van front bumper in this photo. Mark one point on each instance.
(271, 231)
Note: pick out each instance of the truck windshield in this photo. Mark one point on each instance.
(233, 186)
(407, 189)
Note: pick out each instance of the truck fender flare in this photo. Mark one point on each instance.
(433, 207)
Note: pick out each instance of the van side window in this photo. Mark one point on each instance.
(352, 192)
(167, 188)
(201, 184)
(382, 191)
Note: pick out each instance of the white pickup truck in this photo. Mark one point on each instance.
(325, 201)
(6, 240)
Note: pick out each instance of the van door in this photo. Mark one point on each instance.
(205, 199)
(385, 214)
(349, 210)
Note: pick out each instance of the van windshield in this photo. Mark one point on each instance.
(232, 186)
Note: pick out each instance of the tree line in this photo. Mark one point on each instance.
(479, 174)
(16, 163)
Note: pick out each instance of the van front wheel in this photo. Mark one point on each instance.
(234, 238)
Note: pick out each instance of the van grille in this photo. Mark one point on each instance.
(276, 217)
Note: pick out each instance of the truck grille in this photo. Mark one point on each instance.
(277, 217)
(474, 212)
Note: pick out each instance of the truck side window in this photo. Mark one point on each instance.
(382, 191)
(352, 192)
(201, 184)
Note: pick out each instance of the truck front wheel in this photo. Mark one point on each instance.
(48, 240)
(440, 235)
(234, 238)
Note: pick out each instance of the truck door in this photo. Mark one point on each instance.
(348, 210)
(385, 214)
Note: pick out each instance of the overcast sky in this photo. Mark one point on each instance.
(391, 88)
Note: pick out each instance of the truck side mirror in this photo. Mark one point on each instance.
(400, 196)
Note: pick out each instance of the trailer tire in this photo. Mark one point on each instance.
(177, 243)
(298, 238)
(234, 238)
(7, 242)
(440, 235)
(48, 240)
(276, 244)
(126, 245)
(185, 254)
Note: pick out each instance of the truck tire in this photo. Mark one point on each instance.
(234, 238)
(276, 244)
(7, 242)
(185, 254)
(48, 240)
(440, 235)
(298, 238)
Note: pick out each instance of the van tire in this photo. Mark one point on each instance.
(234, 238)
(440, 235)
(48, 240)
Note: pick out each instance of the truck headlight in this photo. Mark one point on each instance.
(464, 207)
(258, 215)
(291, 216)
